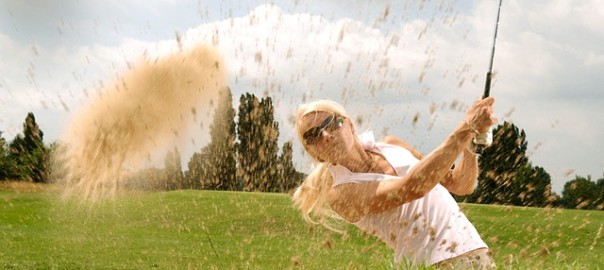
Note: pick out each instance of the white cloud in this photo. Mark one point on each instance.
(545, 50)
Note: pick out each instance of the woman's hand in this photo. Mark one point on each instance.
(480, 115)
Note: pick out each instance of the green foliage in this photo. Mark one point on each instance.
(253, 162)
(258, 132)
(581, 193)
(221, 169)
(499, 164)
(197, 169)
(7, 164)
(507, 177)
(600, 187)
(532, 187)
(215, 166)
(269, 150)
(288, 178)
(29, 154)
(247, 132)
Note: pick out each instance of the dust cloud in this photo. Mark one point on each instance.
(145, 110)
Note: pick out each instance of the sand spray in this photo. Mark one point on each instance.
(148, 107)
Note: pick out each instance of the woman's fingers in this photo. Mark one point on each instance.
(489, 101)
(480, 115)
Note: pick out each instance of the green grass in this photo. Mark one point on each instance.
(230, 230)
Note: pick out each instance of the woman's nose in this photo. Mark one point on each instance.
(326, 135)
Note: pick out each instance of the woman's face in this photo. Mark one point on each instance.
(327, 136)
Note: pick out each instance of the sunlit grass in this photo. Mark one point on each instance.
(232, 230)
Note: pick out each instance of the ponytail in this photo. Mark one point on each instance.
(311, 198)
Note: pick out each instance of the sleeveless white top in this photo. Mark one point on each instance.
(425, 231)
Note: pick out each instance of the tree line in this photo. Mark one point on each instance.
(508, 177)
(243, 155)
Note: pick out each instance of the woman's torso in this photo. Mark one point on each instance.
(426, 230)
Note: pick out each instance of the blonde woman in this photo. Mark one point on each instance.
(389, 190)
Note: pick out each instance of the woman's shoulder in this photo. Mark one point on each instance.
(390, 141)
(394, 140)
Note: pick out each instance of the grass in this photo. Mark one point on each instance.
(232, 230)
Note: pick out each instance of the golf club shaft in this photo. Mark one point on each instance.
(485, 139)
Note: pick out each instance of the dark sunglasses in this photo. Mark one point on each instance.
(331, 123)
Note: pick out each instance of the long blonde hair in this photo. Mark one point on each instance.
(311, 196)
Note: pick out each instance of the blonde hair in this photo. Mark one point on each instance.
(311, 196)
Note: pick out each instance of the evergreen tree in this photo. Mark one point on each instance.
(269, 150)
(257, 148)
(580, 193)
(499, 164)
(600, 187)
(248, 132)
(196, 170)
(7, 164)
(532, 187)
(215, 166)
(29, 153)
(287, 172)
(220, 170)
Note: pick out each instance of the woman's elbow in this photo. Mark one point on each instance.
(462, 190)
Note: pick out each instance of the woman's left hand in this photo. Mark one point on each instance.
(480, 115)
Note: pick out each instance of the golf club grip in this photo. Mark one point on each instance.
(484, 140)
(487, 86)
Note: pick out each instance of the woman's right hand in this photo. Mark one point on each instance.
(480, 115)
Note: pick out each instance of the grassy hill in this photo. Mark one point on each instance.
(235, 230)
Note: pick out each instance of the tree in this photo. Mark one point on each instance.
(221, 163)
(532, 187)
(247, 131)
(600, 187)
(7, 165)
(580, 193)
(288, 177)
(196, 170)
(147, 179)
(499, 165)
(29, 152)
(269, 150)
(257, 148)
(173, 171)
(215, 166)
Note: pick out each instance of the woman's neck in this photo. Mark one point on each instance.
(358, 160)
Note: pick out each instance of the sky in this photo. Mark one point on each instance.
(407, 68)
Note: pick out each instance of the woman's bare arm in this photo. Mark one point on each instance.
(462, 179)
(352, 201)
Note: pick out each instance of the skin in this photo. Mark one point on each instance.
(353, 201)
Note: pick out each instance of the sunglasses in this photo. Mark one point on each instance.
(331, 123)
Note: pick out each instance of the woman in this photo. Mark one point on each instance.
(390, 190)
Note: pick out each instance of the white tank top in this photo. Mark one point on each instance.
(424, 231)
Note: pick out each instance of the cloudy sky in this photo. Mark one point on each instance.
(408, 68)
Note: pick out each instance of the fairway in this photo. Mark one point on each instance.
(236, 230)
